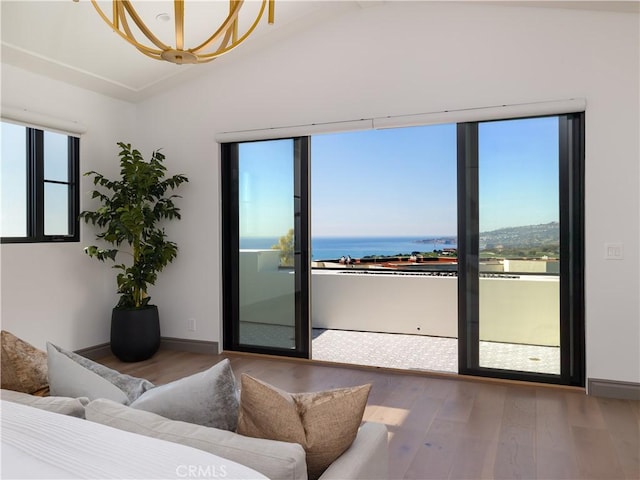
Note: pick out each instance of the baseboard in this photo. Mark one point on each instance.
(187, 345)
(182, 344)
(613, 389)
(95, 352)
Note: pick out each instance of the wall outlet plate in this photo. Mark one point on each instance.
(613, 251)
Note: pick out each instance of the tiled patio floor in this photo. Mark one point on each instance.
(420, 352)
(409, 352)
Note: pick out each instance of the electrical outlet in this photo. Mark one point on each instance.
(614, 251)
(192, 325)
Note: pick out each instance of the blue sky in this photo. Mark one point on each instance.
(394, 182)
(265, 186)
(518, 173)
(402, 182)
(13, 180)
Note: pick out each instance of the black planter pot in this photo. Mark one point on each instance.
(135, 333)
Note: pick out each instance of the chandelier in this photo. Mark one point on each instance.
(224, 39)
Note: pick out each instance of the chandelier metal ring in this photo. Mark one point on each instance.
(223, 40)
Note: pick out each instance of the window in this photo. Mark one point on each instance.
(39, 180)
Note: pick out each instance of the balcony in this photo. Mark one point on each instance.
(519, 313)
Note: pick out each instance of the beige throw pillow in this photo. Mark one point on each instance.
(24, 367)
(324, 423)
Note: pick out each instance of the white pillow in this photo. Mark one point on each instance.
(71, 375)
(277, 460)
(208, 398)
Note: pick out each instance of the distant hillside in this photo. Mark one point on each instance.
(543, 235)
(441, 242)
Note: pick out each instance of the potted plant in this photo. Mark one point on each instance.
(129, 217)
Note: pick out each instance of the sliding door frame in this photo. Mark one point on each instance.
(230, 227)
(571, 203)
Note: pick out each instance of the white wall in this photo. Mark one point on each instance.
(412, 304)
(392, 59)
(402, 58)
(523, 310)
(267, 293)
(53, 291)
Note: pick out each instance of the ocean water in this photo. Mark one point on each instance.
(330, 248)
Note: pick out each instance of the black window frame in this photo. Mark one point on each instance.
(230, 243)
(35, 178)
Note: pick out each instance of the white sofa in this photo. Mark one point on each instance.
(42, 445)
(366, 459)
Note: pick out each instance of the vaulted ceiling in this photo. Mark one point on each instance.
(68, 41)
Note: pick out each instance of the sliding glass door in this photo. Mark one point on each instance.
(519, 248)
(520, 290)
(265, 237)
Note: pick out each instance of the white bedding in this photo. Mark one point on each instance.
(41, 444)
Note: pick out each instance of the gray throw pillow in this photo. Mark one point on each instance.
(72, 375)
(208, 398)
(74, 407)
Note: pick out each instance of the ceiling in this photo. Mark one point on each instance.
(68, 41)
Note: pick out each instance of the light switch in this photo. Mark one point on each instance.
(613, 251)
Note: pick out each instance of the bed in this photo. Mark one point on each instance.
(38, 444)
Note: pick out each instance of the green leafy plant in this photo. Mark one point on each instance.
(131, 210)
(286, 246)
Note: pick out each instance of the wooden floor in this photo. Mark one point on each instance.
(441, 428)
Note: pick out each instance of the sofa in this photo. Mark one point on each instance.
(366, 458)
(272, 433)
